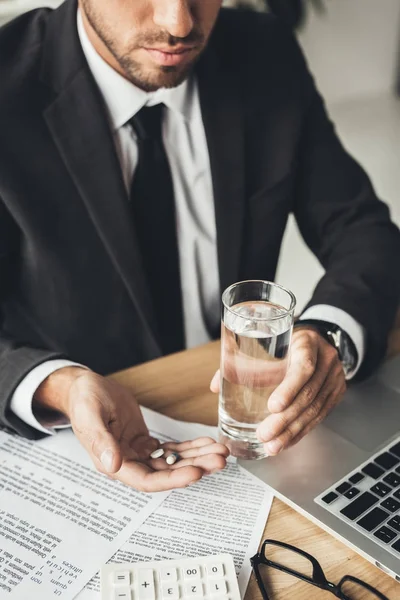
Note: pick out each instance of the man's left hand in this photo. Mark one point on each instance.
(313, 385)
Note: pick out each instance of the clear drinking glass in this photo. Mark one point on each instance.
(257, 323)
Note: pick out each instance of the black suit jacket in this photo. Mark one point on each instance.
(70, 276)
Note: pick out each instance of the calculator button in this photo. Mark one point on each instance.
(121, 578)
(218, 587)
(170, 591)
(192, 572)
(168, 574)
(215, 570)
(145, 585)
(122, 594)
(194, 589)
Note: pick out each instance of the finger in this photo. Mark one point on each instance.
(215, 382)
(189, 449)
(302, 366)
(142, 477)
(96, 437)
(210, 463)
(311, 414)
(188, 445)
(333, 400)
(276, 423)
(214, 448)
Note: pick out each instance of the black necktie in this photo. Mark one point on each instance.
(153, 207)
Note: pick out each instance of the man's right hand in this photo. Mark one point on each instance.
(109, 424)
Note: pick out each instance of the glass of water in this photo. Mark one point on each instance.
(257, 323)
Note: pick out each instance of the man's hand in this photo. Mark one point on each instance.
(313, 385)
(108, 422)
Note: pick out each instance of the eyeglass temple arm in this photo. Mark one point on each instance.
(259, 580)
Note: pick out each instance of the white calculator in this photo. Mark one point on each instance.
(205, 577)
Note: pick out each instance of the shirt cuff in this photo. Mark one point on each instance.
(22, 398)
(337, 316)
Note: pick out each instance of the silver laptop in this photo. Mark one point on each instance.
(345, 475)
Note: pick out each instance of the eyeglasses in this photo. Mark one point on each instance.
(300, 564)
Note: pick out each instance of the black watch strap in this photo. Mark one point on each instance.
(338, 338)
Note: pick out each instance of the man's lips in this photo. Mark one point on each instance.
(170, 57)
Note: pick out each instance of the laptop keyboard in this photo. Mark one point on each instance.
(368, 498)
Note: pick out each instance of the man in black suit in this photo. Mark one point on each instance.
(121, 120)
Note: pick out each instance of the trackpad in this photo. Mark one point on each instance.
(368, 416)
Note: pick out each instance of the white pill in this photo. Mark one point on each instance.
(157, 453)
(170, 460)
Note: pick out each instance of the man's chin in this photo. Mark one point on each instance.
(150, 78)
(165, 77)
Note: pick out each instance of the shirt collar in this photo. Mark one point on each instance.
(124, 99)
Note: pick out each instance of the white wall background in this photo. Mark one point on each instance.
(353, 47)
(352, 51)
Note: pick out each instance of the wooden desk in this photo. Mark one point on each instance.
(178, 386)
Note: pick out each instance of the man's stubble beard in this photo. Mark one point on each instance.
(169, 77)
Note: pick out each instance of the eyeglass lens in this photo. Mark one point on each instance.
(356, 591)
(289, 559)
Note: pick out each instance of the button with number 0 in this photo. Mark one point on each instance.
(215, 570)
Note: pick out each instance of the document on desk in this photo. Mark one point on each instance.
(222, 513)
(60, 520)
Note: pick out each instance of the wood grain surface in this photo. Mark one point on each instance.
(178, 386)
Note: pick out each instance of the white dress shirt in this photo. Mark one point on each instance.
(186, 147)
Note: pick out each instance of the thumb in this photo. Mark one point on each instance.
(99, 442)
(215, 382)
(106, 450)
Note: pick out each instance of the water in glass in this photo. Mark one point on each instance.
(255, 343)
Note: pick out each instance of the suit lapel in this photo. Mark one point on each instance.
(78, 122)
(223, 121)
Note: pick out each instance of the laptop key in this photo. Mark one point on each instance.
(396, 545)
(392, 479)
(390, 504)
(343, 487)
(330, 497)
(356, 478)
(396, 494)
(359, 506)
(395, 523)
(385, 534)
(373, 470)
(396, 449)
(351, 493)
(386, 460)
(380, 489)
(374, 518)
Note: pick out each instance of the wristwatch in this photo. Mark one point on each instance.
(338, 338)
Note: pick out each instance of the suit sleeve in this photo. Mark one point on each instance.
(348, 229)
(16, 359)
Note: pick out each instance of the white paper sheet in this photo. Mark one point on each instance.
(60, 520)
(223, 513)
